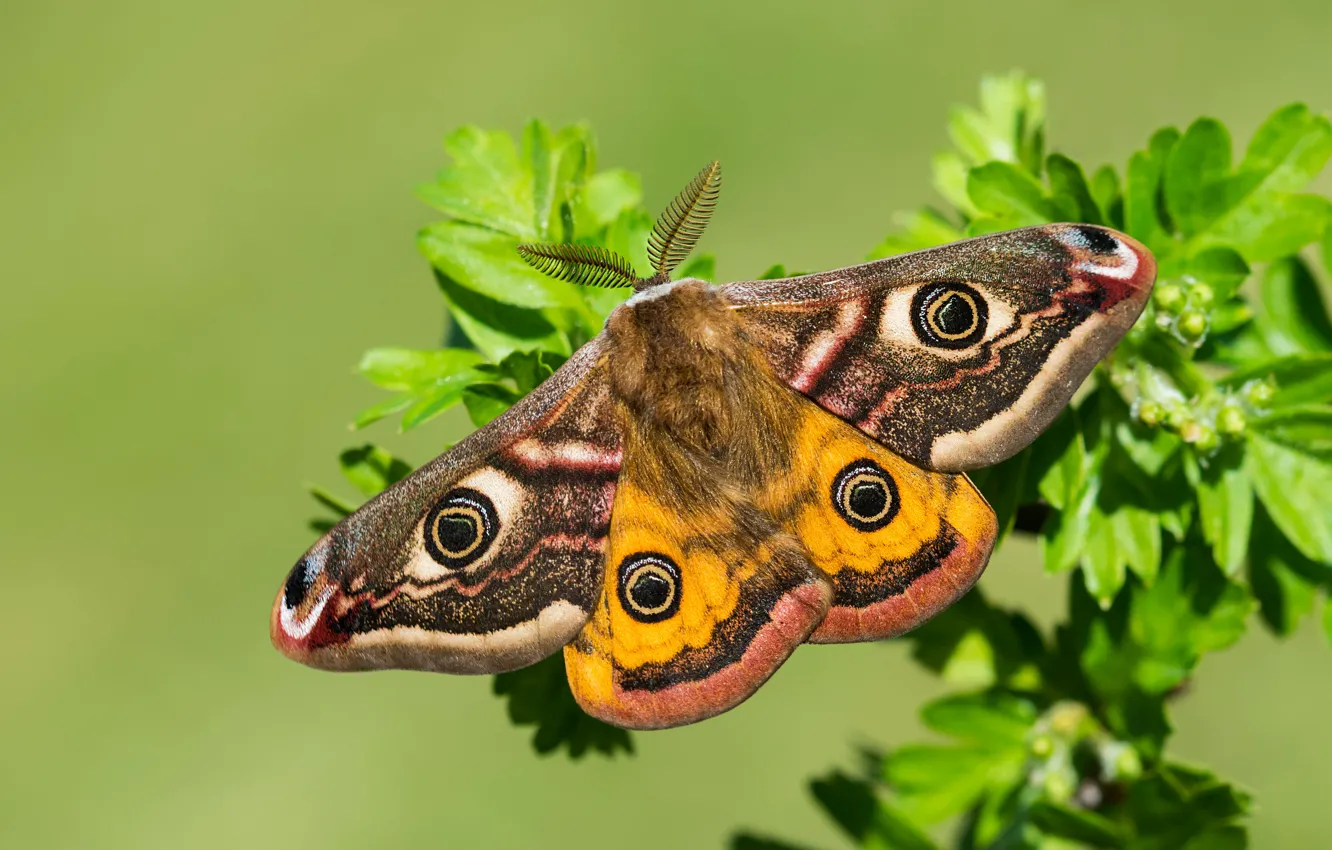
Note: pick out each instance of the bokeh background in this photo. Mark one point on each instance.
(206, 214)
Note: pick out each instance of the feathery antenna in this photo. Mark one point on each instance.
(588, 265)
(672, 238)
(679, 227)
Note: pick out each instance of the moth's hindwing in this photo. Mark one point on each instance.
(898, 542)
(486, 559)
(955, 357)
(704, 596)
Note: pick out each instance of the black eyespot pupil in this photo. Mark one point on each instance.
(298, 584)
(868, 499)
(949, 315)
(460, 528)
(456, 532)
(865, 495)
(650, 591)
(1098, 241)
(649, 587)
(955, 315)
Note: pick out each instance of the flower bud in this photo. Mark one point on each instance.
(1204, 438)
(1192, 325)
(1230, 421)
(1202, 294)
(1150, 413)
(1170, 297)
(1260, 393)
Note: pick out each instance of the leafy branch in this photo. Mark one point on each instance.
(1185, 489)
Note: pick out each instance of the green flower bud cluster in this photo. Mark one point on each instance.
(1073, 756)
(1204, 423)
(1184, 309)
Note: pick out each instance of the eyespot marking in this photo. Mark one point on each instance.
(1097, 241)
(303, 575)
(460, 527)
(865, 495)
(949, 315)
(649, 587)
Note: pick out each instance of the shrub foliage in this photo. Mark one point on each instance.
(1183, 492)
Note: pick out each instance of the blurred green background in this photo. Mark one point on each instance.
(207, 214)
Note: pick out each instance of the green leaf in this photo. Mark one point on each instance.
(1064, 477)
(543, 162)
(702, 267)
(527, 369)
(1103, 563)
(950, 181)
(496, 328)
(485, 185)
(559, 165)
(1301, 379)
(1254, 210)
(628, 237)
(1077, 825)
(431, 381)
(387, 407)
(1109, 197)
(1011, 195)
(1199, 162)
(1305, 429)
(539, 696)
(893, 830)
(1142, 213)
(1283, 581)
(605, 197)
(851, 803)
(414, 370)
(488, 263)
(485, 402)
(371, 469)
(1221, 268)
(1270, 228)
(1177, 805)
(936, 782)
(1009, 126)
(1227, 837)
(1289, 149)
(924, 228)
(1064, 536)
(336, 504)
(988, 720)
(1225, 507)
(1295, 318)
(972, 644)
(1155, 642)
(1006, 487)
(1138, 539)
(1296, 489)
(1069, 186)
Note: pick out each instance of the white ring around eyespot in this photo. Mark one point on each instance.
(1125, 269)
(300, 628)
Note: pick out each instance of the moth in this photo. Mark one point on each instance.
(725, 472)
